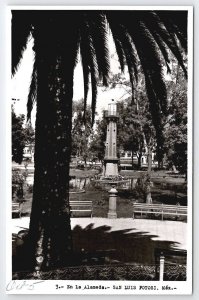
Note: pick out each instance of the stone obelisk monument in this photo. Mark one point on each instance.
(111, 159)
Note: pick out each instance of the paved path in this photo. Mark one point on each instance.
(172, 231)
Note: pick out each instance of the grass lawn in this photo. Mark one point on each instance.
(83, 173)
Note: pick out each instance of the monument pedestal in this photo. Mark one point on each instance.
(110, 167)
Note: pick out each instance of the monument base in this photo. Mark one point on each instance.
(110, 169)
(112, 215)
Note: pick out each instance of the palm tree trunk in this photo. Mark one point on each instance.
(50, 237)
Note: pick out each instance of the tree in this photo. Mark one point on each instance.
(17, 185)
(22, 134)
(58, 35)
(81, 130)
(98, 138)
(29, 134)
(18, 137)
(138, 135)
(128, 127)
(175, 130)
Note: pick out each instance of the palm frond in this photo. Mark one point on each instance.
(176, 24)
(94, 96)
(89, 64)
(152, 66)
(121, 37)
(158, 30)
(86, 73)
(85, 66)
(155, 110)
(149, 55)
(98, 30)
(154, 24)
(21, 29)
(32, 91)
(120, 53)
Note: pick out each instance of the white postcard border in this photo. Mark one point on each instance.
(49, 287)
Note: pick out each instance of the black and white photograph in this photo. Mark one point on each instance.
(101, 150)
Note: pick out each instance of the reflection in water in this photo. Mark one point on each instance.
(130, 184)
(162, 192)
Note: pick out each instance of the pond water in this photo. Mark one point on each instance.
(130, 184)
(161, 191)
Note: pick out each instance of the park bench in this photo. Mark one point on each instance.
(159, 210)
(81, 208)
(17, 208)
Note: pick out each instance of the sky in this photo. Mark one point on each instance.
(21, 81)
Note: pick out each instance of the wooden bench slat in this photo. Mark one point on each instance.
(81, 207)
(17, 208)
(80, 210)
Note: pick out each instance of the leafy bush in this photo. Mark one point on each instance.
(143, 185)
(30, 188)
(17, 184)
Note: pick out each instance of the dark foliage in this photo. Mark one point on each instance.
(18, 137)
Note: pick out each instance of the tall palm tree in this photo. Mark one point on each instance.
(147, 36)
